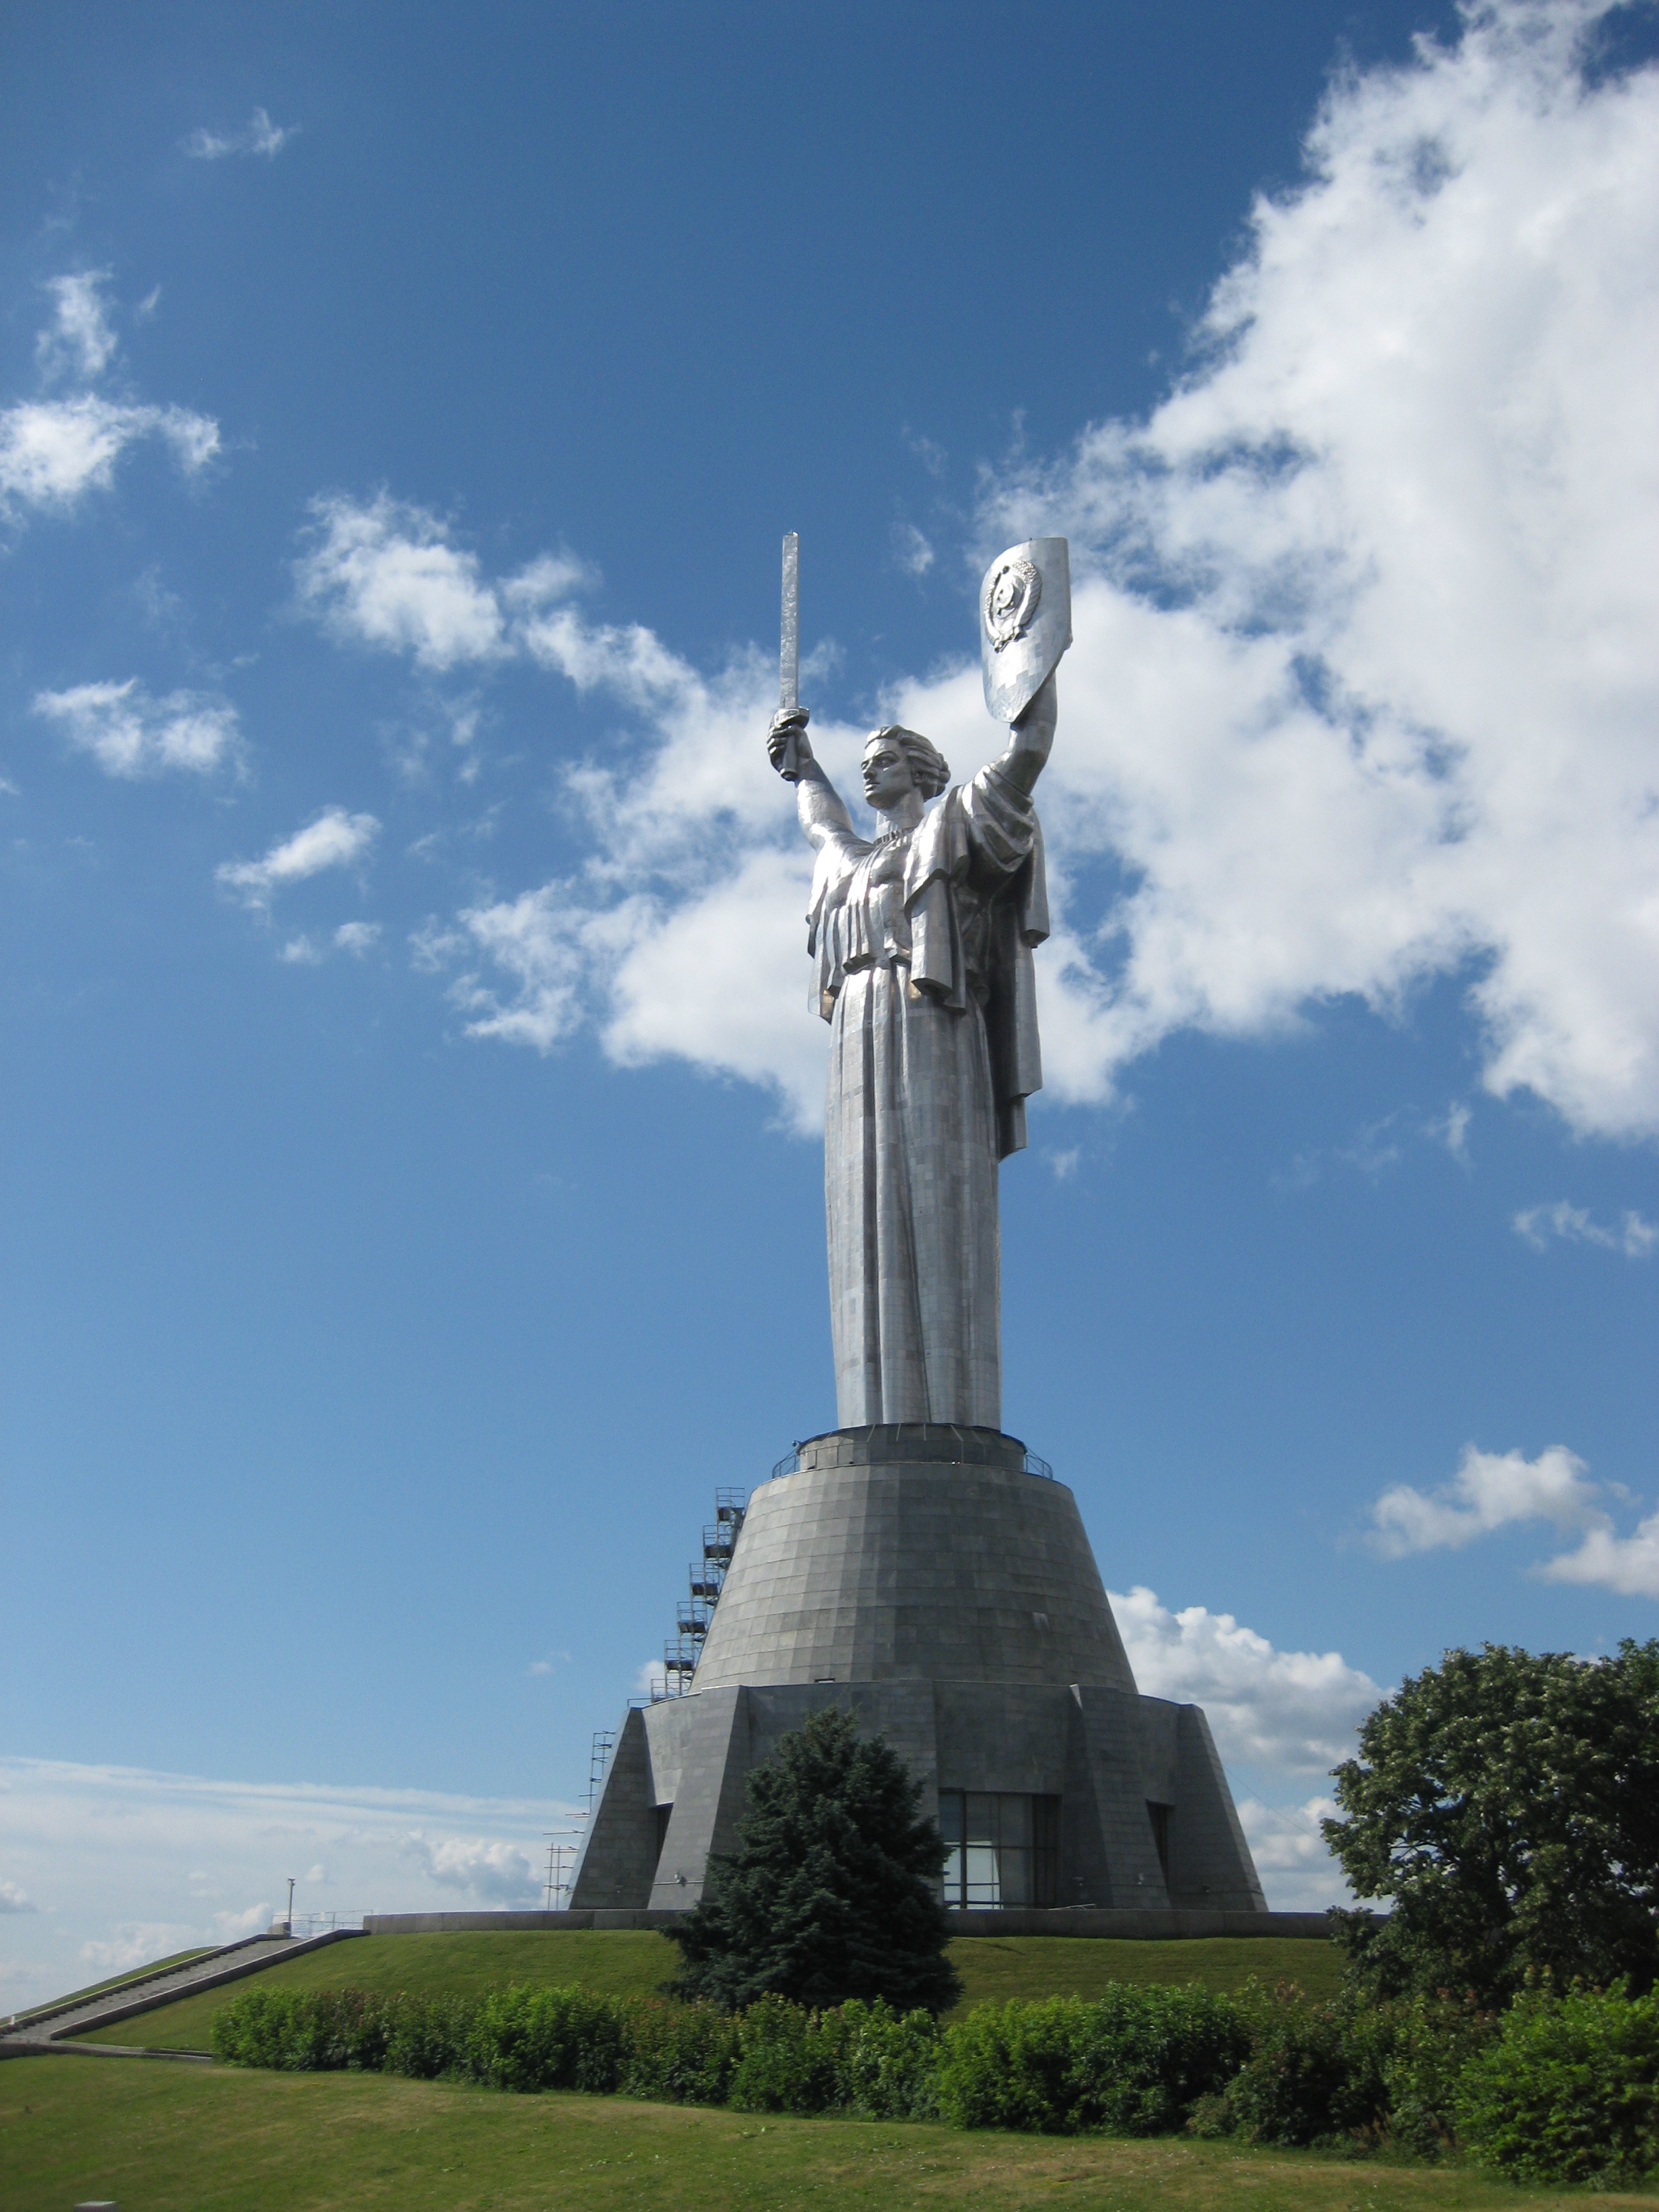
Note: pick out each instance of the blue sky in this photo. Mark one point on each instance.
(413, 1205)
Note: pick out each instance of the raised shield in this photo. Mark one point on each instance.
(1024, 622)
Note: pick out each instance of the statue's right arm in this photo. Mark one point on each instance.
(818, 803)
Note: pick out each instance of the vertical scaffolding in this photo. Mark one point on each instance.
(706, 1578)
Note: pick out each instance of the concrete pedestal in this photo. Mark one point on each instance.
(920, 1578)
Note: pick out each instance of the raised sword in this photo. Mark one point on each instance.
(789, 652)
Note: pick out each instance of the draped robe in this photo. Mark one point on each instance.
(922, 944)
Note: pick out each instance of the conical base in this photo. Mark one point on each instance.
(921, 1577)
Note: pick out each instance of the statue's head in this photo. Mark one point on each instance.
(897, 760)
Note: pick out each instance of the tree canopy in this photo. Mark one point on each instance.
(1507, 1801)
(833, 1891)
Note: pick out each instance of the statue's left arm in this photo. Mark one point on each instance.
(1031, 738)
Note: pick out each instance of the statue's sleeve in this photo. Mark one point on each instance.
(987, 828)
(832, 872)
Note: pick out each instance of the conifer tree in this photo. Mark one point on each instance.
(833, 1891)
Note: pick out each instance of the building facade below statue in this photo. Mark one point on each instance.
(923, 1579)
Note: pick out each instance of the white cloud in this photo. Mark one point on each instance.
(129, 733)
(1296, 1869)
(13, 1899)
(1626, 1564)
(1489, 1490)
(305, 951)
(335, 840)
(136, 1943)
(131, 1863)
(494, 1873)
(1364, 687)
(252, 1920)
(912, 551)
(389, 575)
(1635, 1238)
(78, 341)
(258, 135)
(1493, 1490)
(54, 452)
(1294, 1711)
(1454, 1131)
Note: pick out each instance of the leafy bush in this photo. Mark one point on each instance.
(425, 2037)
(1429, 2041)
(1559, 2090)
(301, 2031)
(542, 2038)
(789, 2059)
(1568, 2091)
(888, 2062)
(1134, 2061)
(680, 2054)
(1315, 2072)
(1005, 2066)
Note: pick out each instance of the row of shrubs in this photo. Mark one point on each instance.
(1555, 2090)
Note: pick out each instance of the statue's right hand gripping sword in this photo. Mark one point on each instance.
(789, 654)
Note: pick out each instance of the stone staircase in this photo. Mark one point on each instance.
(54, 2027)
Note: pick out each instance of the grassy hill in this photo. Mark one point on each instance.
(219, 2140)
(626, 1962)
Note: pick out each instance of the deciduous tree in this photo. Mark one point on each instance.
(1507, 1802)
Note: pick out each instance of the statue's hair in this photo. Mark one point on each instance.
(929, 770)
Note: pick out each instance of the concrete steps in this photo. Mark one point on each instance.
(50, 2027)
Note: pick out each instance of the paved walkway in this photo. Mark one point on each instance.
(48, 2028)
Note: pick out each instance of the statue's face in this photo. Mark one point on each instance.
(887, 773)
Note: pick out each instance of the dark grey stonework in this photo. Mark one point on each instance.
(919, 1579)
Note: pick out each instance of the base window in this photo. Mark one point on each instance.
(1004, 1850)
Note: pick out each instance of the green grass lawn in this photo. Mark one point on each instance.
(625, 1961)
(172, 2138)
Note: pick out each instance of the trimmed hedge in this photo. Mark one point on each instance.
(1557, 2090)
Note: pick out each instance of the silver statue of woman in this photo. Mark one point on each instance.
(922, 939)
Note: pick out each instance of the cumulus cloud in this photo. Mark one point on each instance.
(78, 341)
(13, 1899)
(498, 1873)
(1294, 1710)
(129, 733)
(252, 1920)
(1626, 1564)
(1635, 1238)
(258, 135)
(335, 840)
(53, 453)
(388, 575)
(1364, 687)
(1489, 1491)
(137, 1943)
(1493, 1490)
(1298, 1873)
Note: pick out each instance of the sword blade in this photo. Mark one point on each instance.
(789, 646)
